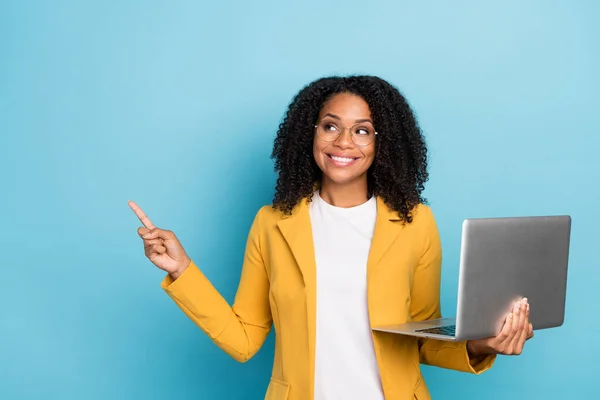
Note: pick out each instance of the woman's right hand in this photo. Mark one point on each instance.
(161, 246)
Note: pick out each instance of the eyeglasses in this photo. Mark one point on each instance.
(361, 134)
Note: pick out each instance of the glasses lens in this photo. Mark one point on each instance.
(328, 131)
(362, 135)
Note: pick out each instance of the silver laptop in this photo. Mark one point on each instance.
(501, 261)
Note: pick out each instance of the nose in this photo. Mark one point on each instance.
(344, 141)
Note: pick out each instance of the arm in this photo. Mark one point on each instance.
(425, 305)
(239, 330)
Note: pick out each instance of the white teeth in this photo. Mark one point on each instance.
(342, 159)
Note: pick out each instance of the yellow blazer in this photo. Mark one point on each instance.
(278, 287)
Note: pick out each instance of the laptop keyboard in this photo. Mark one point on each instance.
(440, 330)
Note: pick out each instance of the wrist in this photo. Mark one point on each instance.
(179, 270)
(474, 349)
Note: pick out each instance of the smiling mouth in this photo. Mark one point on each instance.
(342, 160)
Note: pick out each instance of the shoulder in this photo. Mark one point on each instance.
(422, 214)
(423, 225)
(268, 214)
(266, 218)
(426, 228)
(424, 219)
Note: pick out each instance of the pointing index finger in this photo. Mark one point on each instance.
(140, 214)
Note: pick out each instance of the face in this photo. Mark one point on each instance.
(341, 160)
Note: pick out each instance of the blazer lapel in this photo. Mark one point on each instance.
(297, 232)
(387, 229)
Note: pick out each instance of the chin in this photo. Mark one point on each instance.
(341, 179)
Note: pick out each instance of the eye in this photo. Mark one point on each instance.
(330, 128)
(362, 131)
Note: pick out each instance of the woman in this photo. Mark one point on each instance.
(347, 244)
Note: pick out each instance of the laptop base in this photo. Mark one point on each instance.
(440, 329)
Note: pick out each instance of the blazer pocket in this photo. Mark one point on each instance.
(421, 391)
(277, 390)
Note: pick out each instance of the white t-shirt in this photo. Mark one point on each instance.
(345, 363)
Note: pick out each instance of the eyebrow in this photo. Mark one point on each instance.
(358, 121)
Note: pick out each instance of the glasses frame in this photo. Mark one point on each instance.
(341, 131)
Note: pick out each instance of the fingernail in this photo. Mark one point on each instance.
(146, 236)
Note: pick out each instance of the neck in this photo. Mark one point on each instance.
(344, 195)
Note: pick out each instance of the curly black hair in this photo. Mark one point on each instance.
(399, 170)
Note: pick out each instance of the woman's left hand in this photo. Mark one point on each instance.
(510, 341)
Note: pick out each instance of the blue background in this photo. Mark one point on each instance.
(175, 105)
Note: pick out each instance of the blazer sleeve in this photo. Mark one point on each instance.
(425, 305)
(241, 329)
